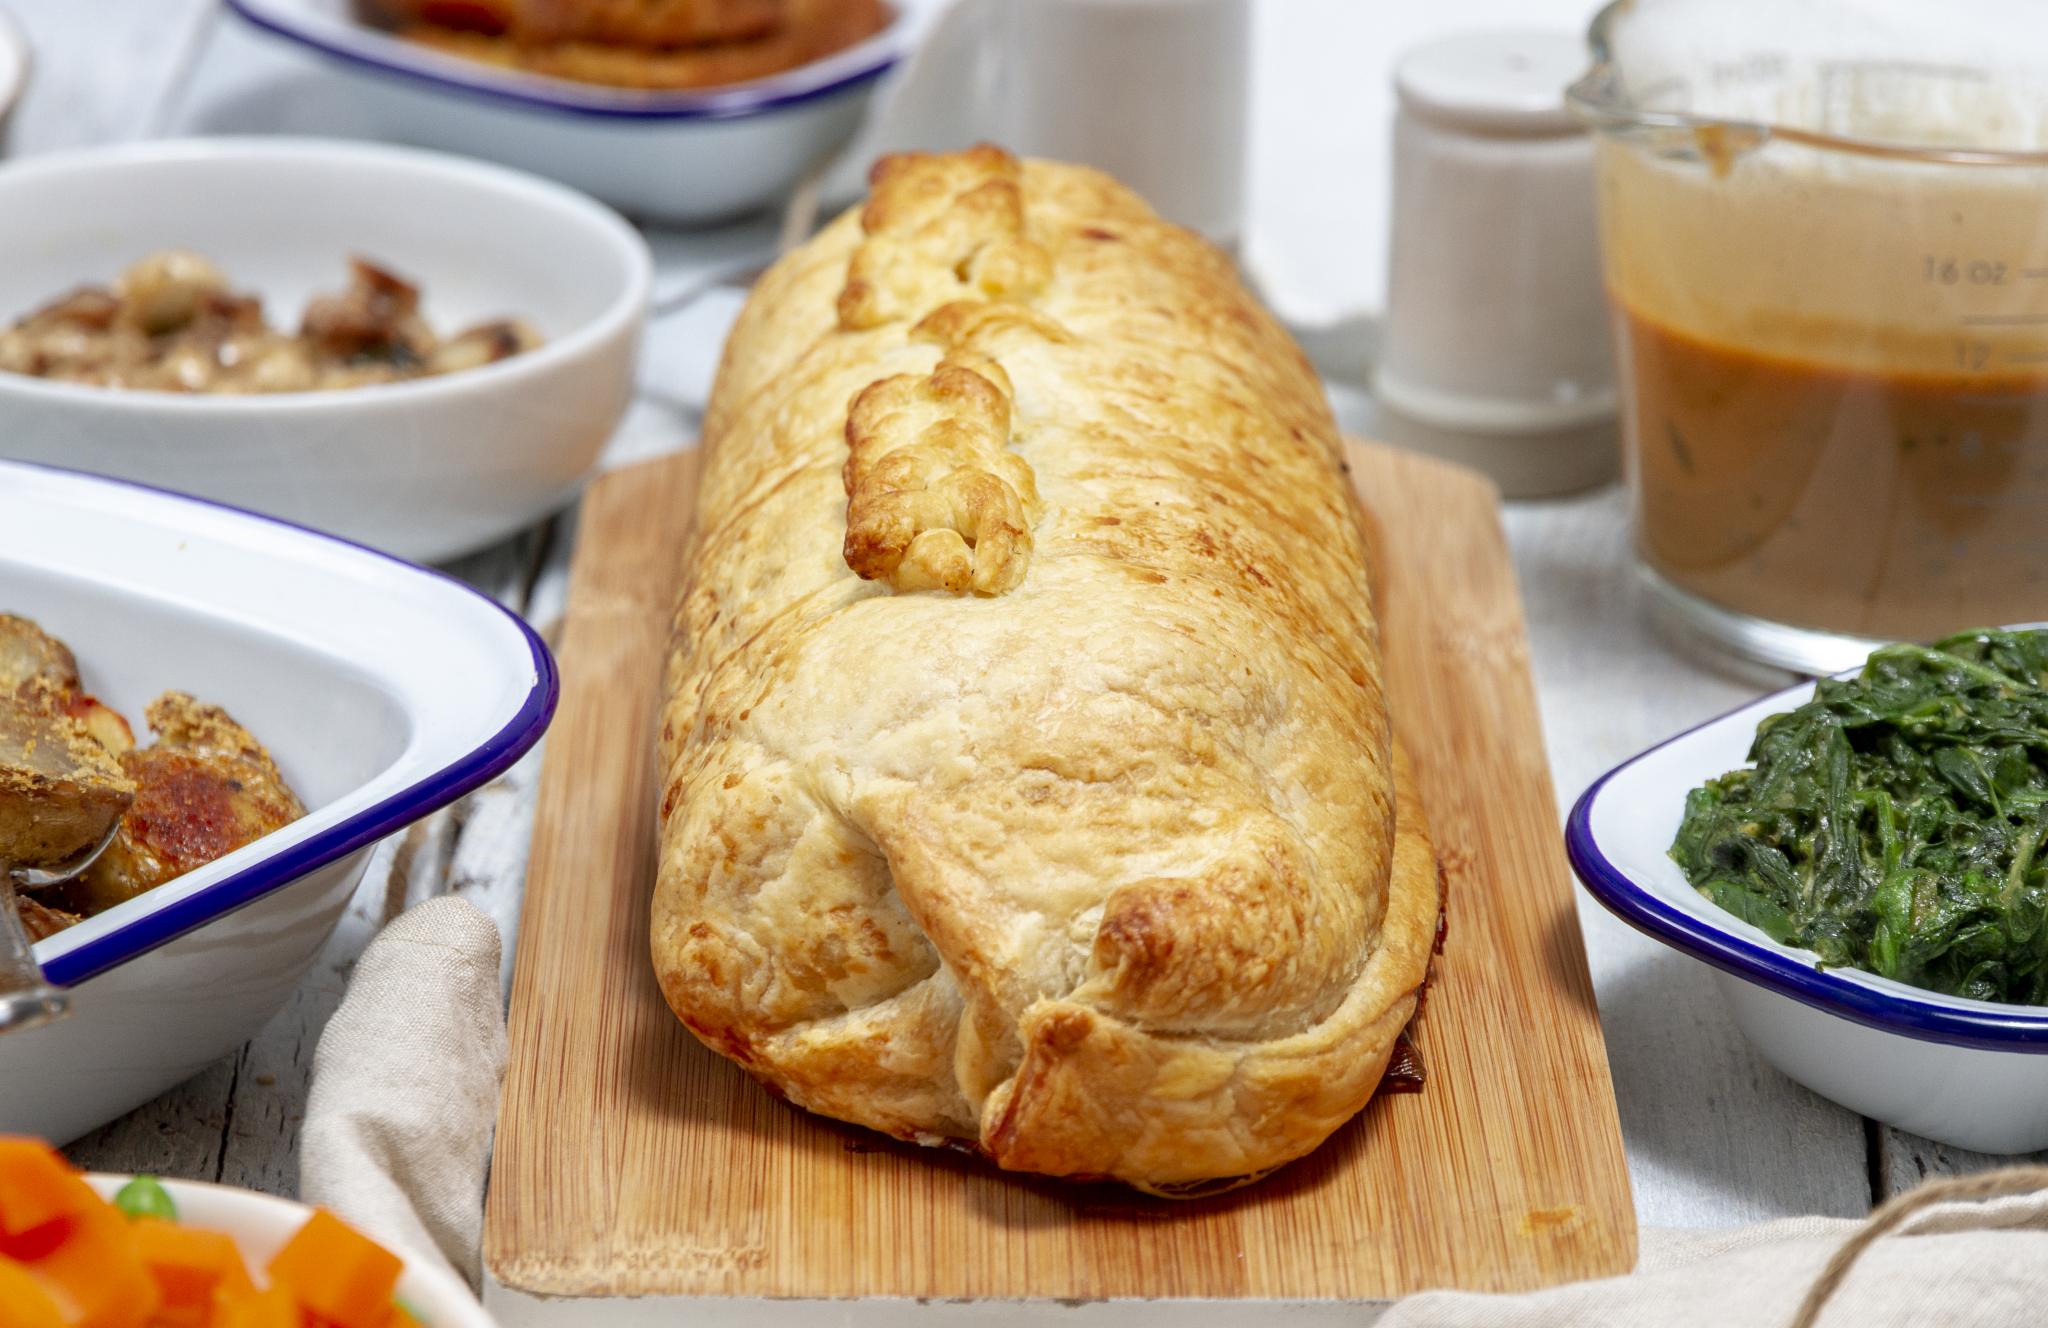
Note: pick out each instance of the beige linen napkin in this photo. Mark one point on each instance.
(405, 1087)
(1965, 1252)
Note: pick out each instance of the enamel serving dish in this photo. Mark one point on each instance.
(1964, 1072)
(674, 156)
(383, 690)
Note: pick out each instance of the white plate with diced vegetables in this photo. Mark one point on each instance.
(138, 1252)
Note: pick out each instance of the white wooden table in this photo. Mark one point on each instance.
(1715, 1137)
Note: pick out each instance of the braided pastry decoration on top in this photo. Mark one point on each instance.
(935, 498)
(940, 229)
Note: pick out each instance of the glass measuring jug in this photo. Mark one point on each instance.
(1824, 232)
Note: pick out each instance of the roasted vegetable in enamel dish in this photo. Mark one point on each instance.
(70, 772)
(1895, 822)
(659, 45)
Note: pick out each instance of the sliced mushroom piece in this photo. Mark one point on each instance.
(165, 291)
(486, 343)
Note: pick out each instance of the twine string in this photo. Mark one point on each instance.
(1897, 1211)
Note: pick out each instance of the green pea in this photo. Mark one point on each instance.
(145, 1196)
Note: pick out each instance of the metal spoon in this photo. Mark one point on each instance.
(26, 997)
(62, 797)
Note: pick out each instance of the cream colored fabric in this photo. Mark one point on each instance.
(1961, 1264)
(405, 1087)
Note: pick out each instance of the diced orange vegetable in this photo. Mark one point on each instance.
(69, 1259)
(192, 1267)
(272, 1308)
(337, 1273)
(96, 1275)
(23, 1302)
(38, 1187)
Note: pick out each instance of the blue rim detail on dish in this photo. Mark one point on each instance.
(472, 771)
(737, 102)
(1983, 1024)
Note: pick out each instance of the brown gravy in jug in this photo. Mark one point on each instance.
(1895, 504)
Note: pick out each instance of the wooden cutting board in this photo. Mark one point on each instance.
(631, 1162)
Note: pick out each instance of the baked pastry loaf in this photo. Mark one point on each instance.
(1027, 778)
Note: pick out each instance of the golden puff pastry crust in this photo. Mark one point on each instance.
(1027, 780)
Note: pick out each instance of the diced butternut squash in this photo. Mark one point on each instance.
(276, 1307)
(96, 1275)
(192, 1268)
(23, 1302)
(337, 1273)
(38, 1187)
(69, 1259)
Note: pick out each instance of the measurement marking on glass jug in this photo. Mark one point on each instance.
(1950, 270)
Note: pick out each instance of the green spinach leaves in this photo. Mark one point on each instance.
(1896, 822)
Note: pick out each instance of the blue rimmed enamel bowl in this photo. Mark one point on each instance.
(673, 156)
(1964, 1072)
(383, 690)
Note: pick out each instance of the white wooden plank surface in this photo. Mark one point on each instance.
(1904, 1160)
(1714, 1136)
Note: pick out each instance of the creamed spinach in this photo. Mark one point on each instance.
(1894, 823)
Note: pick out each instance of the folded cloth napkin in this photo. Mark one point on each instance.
(1968, 1251)
(405, 1087)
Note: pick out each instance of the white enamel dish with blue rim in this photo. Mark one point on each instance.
(692, 156)
(383, 690)
(1964, 1072)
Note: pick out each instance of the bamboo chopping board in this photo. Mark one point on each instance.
(633, 1162)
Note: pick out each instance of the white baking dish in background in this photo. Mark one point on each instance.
(383, 690)
(691, 157)
(1964, 1072)
(427, 468)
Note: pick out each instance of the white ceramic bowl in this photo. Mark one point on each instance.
(383, 690)
(673, 156)
(261, 1224)
(426, 469)
(1964, 1072)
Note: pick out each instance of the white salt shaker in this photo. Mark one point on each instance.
(1495, 349)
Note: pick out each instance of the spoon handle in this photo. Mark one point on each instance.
(25, 998)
